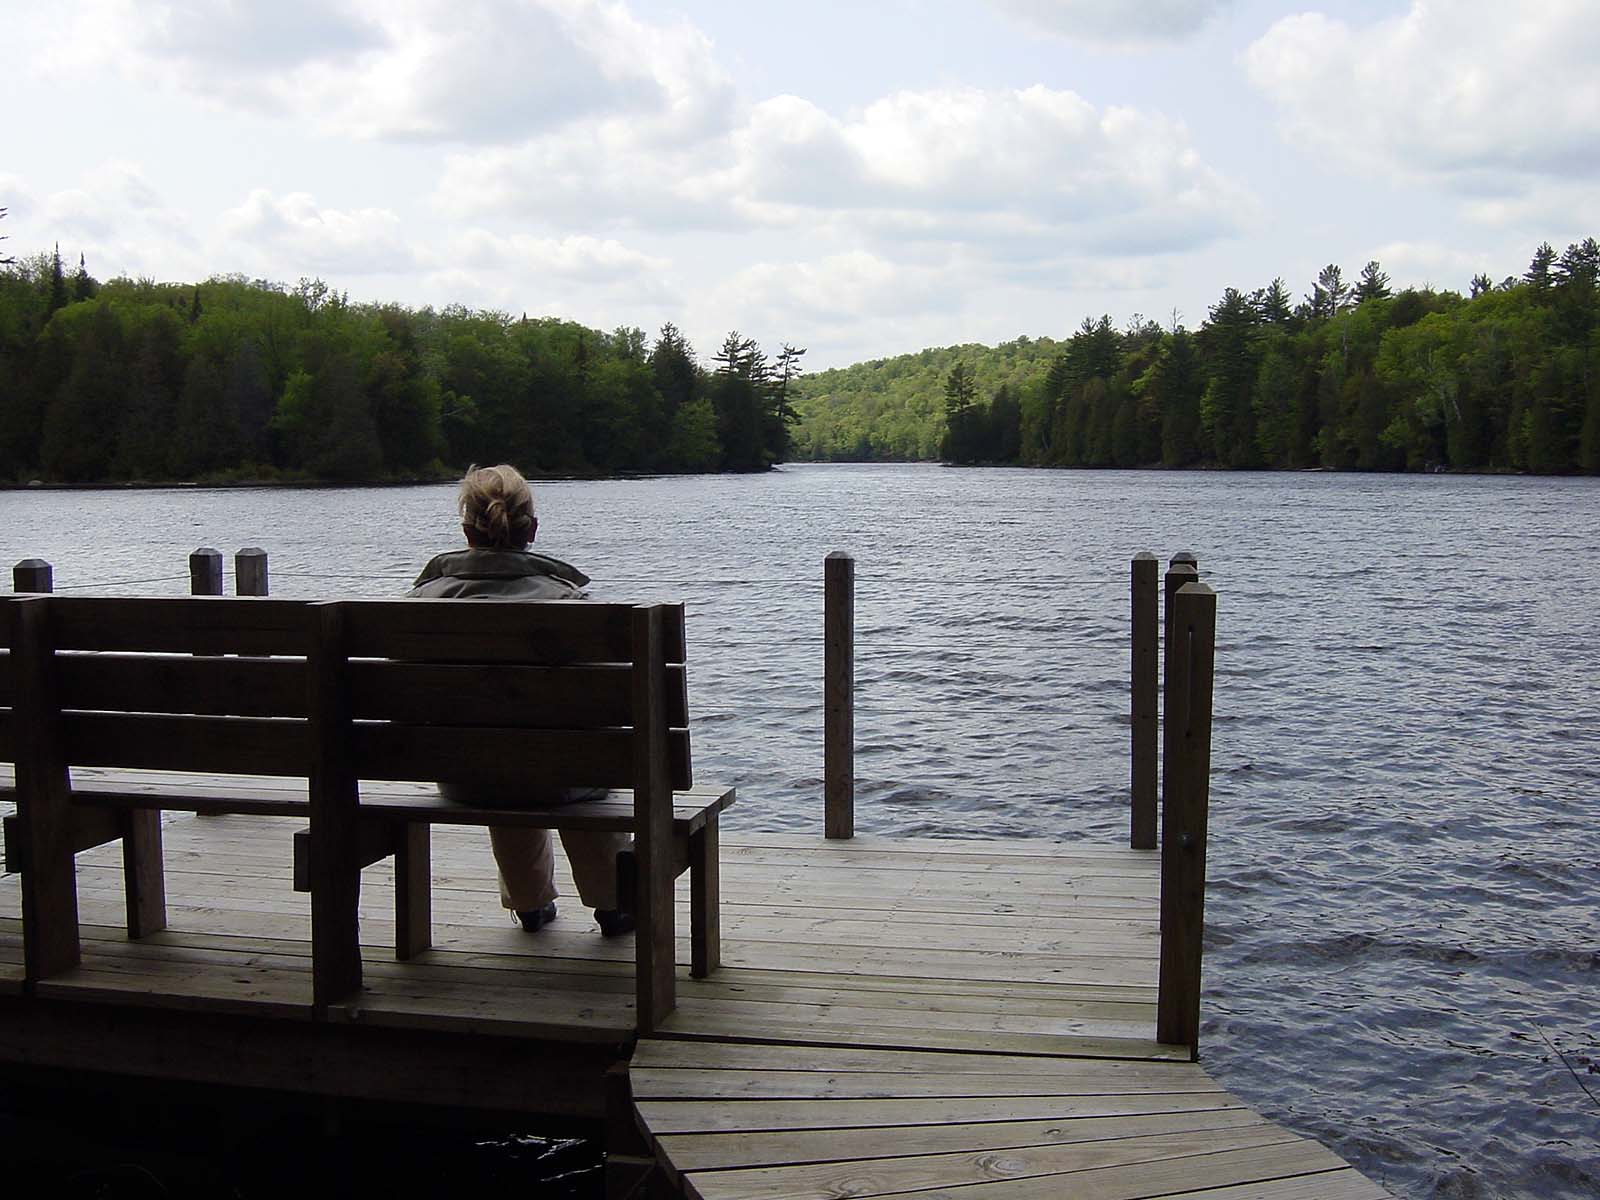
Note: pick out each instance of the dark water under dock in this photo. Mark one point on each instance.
(1402, 923)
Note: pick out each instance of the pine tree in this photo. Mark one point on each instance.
(960, 440)
(83, 287)
(1373, 284)
(1537, 275)
(781, 417)
(58, 285)
(1329, 294)
(1272, 303)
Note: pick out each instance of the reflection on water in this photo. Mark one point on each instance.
(1402, 956)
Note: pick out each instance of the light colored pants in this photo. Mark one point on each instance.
(527, 866)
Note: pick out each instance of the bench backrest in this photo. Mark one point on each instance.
(501, 694)
(509, 695)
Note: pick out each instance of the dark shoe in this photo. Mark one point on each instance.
(538, 918)
(614, 922)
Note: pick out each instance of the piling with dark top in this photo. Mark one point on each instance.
(1146, 606)
(250, 572)
(33, 575)
(1182, 570)
(205, 572)
(838, 688)
(1185, 801)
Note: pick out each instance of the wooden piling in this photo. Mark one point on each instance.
(1144, 686)
(1185, 797)
(839, 678)
(205, 572)
(250, 572)
(33, 575)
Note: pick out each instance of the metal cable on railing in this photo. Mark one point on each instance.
(117, 583)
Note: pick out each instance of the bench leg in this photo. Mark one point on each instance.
(705, 900)
(413, 890)
(143, 876)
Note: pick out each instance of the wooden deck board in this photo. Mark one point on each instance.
(933, 1019)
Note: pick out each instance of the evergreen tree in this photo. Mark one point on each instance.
(1373, 284)
(145, 427)
(80, 423)
(961, 432)
(1538, 274)
(58, 284)
(83, 287)
(1005, 425)
(737, 394)
(1330, 293)
(1227, 413)
(1175, 385)
(1272, 303)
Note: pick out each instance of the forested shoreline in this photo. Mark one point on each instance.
(236, 380)
(1352, 377)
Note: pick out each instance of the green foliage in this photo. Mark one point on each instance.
(892, 409)
(1356, 378)
(241, 379)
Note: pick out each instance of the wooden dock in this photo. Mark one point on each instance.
(971, 1020)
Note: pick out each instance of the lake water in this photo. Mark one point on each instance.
(1402, 932)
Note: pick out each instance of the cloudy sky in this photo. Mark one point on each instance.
(862, 177)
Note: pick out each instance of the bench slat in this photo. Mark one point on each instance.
(154, 683)
(555, 631)
(513, 759)
(232, 745)
(181, 624)
(530, 697)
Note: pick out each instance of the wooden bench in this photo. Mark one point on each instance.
(333, 712)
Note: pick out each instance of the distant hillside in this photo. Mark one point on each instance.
(893, 408)
(1354, 377)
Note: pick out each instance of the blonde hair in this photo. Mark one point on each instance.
(496, 507)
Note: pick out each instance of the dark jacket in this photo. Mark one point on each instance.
(503, 575)
(499, 575)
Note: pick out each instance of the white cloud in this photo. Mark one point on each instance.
(113, 216)
(1443, 268)
(1022, 172)
(1118, 23)
(572, 257)
(839, 288)
(1485, 96)
(463, 70)
(292, 236)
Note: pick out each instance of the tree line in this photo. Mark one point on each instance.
(1353, 377)
(251, 380)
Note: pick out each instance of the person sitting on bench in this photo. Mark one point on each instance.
(498, 520)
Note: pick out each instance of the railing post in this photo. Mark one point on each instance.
(250, 572)
(205, 572)
(1186, 789)
(1146, 605)
(33, 575)
(838, 689)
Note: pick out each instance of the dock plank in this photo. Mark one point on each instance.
(924, 1019)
